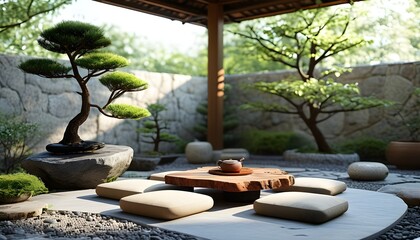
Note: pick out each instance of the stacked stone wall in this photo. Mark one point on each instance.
(387, 81)
(51, 103)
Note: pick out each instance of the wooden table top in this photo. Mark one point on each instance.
(259, 179)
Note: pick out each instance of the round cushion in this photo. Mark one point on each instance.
(367, 171)
(199, 152)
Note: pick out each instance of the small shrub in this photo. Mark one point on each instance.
(271, 142)
(14, 185)
(15, 137)
(367, 148)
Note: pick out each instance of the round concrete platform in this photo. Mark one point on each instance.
(369, 215)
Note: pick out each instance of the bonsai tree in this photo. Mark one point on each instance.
(155, 130)
(303, 43)
(80, 42)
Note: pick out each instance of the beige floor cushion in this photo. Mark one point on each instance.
(122, 188)
(315, 185)
(301, 206)
(166, 204)
(160, 176)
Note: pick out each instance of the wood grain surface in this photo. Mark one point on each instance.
(261, 178)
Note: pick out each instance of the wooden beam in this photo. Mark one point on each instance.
(216, 76)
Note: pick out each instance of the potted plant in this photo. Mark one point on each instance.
(80, 42)
(405, 153)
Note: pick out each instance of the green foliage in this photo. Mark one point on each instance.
(101, 61)
(155, 131)
(303, 43)
(368, 148)
(125, 111)
(14, 185)
(22, 21)
(123, 81)
(328, 96)
(271, 142)
(15, 137)
(79, 42)
(44, 67)
(73, 36)
(230, 121)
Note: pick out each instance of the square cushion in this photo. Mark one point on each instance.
(160, 176)
(122, 188)
(315, 185)
(166, 204)
(301, 206)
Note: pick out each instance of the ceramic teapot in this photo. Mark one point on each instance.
(230, 165)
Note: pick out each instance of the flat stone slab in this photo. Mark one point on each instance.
(409, 192)
(21, 210)
(79, 170)
(336, 159)
(370, 213)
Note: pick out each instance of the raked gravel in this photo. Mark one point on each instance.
(81, 225)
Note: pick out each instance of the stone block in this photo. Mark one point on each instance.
(408, 192)
(199, 152)
(80, 170)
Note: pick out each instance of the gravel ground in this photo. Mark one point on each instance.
(71, 225)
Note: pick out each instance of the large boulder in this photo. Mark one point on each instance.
(80, 170)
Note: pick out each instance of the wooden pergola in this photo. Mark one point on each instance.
(213, 14)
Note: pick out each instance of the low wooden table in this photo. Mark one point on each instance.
(236, 187)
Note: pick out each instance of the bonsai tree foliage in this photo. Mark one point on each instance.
(303, 43)
(155, 130)
(80, 42)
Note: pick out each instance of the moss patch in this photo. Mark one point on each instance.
(14, 185)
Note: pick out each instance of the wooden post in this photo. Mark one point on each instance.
(215, 75)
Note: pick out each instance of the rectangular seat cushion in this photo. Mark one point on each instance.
(315, 185)
(166, 204)
(122, 188)
(160, 176)
(301, 206)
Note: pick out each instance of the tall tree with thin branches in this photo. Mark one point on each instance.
(303, 43)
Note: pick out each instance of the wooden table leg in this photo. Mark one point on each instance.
(248, 196)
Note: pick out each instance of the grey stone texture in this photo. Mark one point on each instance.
(80, 171)
(199, 152)
(409, 192)
(52, 103)
(367, 171)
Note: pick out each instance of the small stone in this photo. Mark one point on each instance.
(50, 221)
(408, 192)
(367, 171)
(199, 152)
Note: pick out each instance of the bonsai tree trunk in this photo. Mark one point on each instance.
(71, 135)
